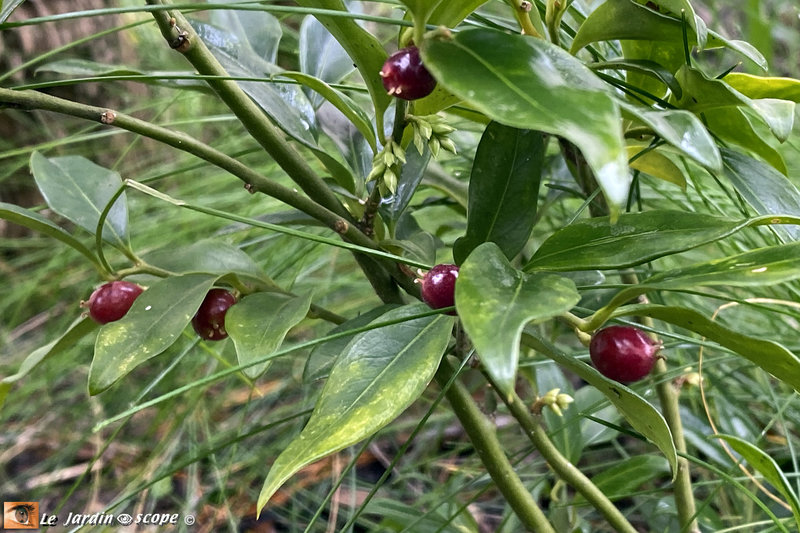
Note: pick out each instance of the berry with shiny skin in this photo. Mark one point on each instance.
(404, 75)
(623, 353)
(111, 301)
(439, 286)
(209, 321)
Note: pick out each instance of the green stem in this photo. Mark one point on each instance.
(668, 396)
(483, 437)
(181, 36)
(522, 12)
(670, 406)
(254, 182)
(563, 467)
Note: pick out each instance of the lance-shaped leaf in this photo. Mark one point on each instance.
(701, 93)
(681, 129)
(285, 104)
(769, 355)
(764, 87)
(766, 190)
(79, 190)
(639, 413)
(35, 221)
(378, 375)
(503, 190)
(734, 125)
(340, 101)
(321, 55)
(365, 50)
(153, 324)
(636, 238)
(495, 301)
(208, 256)
(258, 324)
(767, 467)
(627, 20)
(528, 83)
(321, 359)
(75, 332)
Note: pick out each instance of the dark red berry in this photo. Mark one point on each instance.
(111, 301)
(209, 321)
(404, 75)
(623, 353)
(439, 286)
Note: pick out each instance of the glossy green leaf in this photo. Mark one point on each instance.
(365, 50)
(680, 129)
(323, 356)
(679, 8)
(528, 83)
(766, 190)
(79, 190)
(764, 87)
(734, 125)
(35, 221)
(321, 56)
(75, 332)
(503, 190)
(285, 104)
(627, 20)
(379, 374)
(340, 101)
(153, 324)
(259, 322)
(656, 164)
(767, 467)
(495, 301)
(768, 355)
(634, 239)
(702, 93)
(639, 413)
(258, 32)
(208, 256)
(622, 480)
